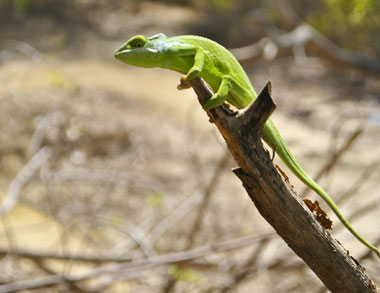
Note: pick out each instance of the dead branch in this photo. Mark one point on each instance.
(123, 268)
(314, 42)
(246, 269)
(178, 213)
(277, 202)
(287, 14)
(196, 228)
(41, 255)
(335, 157)
(197, 224)
(154, 232)
(22, 178)
(362, 179)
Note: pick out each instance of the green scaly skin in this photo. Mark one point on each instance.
(197, 56)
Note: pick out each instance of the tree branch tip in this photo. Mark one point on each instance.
(266, 94)
(268, 87)
(237, 171)
(259, 111)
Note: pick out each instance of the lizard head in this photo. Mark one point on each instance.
(142, 51)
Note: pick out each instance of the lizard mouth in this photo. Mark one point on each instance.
(120, 52)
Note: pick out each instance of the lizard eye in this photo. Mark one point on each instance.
(137, 42)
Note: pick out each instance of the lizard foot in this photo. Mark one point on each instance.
(184, 83)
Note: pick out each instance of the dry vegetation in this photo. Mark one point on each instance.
(120, 184)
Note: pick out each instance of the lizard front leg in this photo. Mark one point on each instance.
(195, 70)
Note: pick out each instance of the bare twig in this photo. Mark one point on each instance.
(38, 136)
(359, 212)
(183, 209)
(141, 238)
(359, 182)
(32, 254)
(196, 228)
(155, 232)
(306, 36)
(124, 268)
(335, 157)
(247, 268)
(22, 178)
(22, 47)
(288, 16)
(206, 198)
(99, 175)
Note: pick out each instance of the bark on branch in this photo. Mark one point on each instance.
(276, 201)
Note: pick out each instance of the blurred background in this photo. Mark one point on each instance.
(111, 180)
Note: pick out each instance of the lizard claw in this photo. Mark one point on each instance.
(184, 83)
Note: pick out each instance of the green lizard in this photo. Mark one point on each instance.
(197, 56)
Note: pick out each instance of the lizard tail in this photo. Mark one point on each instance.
(273, 138)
